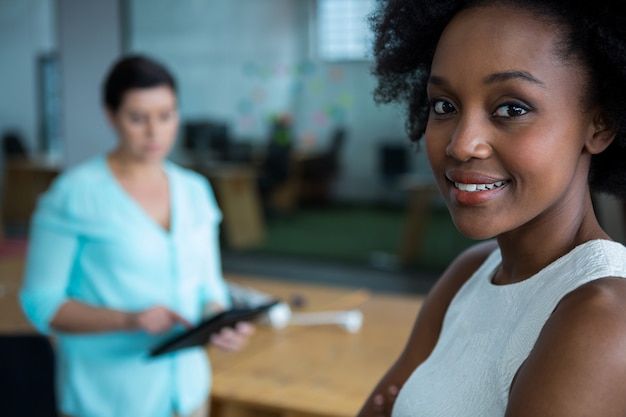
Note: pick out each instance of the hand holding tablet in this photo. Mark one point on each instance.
(201, 334)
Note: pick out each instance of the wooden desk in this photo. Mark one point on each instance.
(237, 196)
(24, 181)
(12, 320)
(312, 371)
(308, 371)
(421, 197)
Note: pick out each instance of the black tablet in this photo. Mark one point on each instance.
(200, 334)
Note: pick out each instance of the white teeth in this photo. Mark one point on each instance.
(478, 187)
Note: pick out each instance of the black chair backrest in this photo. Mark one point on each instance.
(337, 140)
(394, 160)
(13, 146)
(277, 161)
(207, 135)
(26, 376)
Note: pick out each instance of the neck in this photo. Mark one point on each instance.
(528, 250)
(126, 167)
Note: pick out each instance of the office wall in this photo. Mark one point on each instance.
(90, 38)
(241, 60)
(245, 60)
(86, 34)
(26, 31)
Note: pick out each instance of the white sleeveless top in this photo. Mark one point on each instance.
(489, 330)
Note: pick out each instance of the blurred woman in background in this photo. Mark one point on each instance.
(124, 250)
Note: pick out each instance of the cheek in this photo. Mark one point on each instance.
(131, 128)
(435, 146)
(169, 130)
(539, 172)
(130, 134)
(544, 151)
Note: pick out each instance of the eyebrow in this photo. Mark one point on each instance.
(497, 77)
(512, 75)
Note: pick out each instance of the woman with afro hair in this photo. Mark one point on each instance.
(521, 108)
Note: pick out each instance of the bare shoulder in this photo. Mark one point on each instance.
(578, 357)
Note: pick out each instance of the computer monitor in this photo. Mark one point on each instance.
(207, 135)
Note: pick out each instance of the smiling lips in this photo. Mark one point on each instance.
(471, 188)
(474, 189)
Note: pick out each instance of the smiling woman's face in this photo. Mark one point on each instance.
(507, 126)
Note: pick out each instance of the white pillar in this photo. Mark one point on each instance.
(90, 39)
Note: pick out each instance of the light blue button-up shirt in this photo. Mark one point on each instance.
(91, 242)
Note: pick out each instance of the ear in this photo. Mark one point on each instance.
(110, 117)
(601, 136)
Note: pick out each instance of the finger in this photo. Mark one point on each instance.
(154, 327)
(392, 392)
(379, 405)
(213, 306)
(145, 322)
(245, 328)
(232, 338)
(243, 332)
(160, 319)
(158, 323)
(180, 319)
(229, 339)
(222, 342)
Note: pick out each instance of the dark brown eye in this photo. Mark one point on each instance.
(511, 110)
(442, 107)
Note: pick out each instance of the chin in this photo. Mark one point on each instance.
(473, 231)
(153, 157)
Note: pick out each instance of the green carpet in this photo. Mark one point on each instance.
(362, 234)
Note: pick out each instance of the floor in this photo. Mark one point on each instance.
(348, 245)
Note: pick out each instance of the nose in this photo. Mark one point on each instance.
(151, 127)
(470, 139)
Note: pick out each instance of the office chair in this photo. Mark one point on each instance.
(319, 173)
(13, 147)
(26, 376)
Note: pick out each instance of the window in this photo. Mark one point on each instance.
(342, 29)
(49, 103)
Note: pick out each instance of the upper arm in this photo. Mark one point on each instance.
(52, 246)
(578, 364)
(216, 290)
